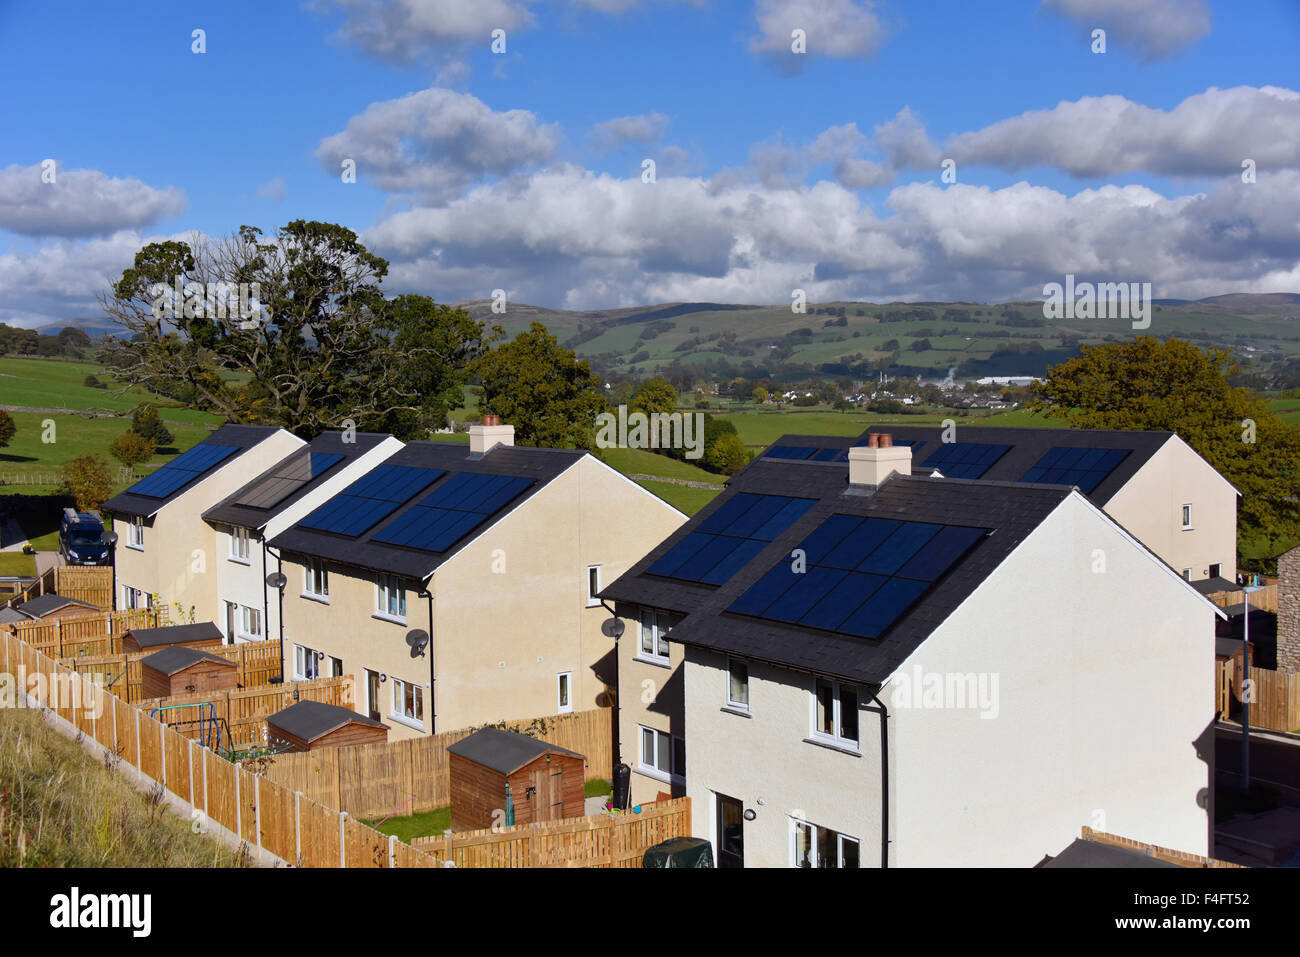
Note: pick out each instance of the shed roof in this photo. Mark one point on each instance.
(175, 659)
(42, 605)
(309, 720)
(175, 634)
(1083, 853)
(504, 751)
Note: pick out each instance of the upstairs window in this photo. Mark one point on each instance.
(1187, 517)
(316, 581)
(390, 599)
(655, 628)
(737, 684)
(593, 585)
(835, 713)
(239, 543)
(135, 532)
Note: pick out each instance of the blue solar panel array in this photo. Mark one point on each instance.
(860, 574)
(182, 470)
(726, 541)
(968, 460)
(1085, 468)
(371, 498)
(453, 510)
(806, 453)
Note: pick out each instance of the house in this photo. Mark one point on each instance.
(249, 609)
(313, 725)
(47, 606)
(165, 548)
(492, 769)
(203, 635)
(1152, 483)
(459, 584)
(178, 670)
(847, 664)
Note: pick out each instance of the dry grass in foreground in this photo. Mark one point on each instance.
(59, 807)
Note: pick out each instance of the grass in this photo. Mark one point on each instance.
(597, 788)
(53, 384)
(644, 462)
(16, 563)
(411, 826)
(61, 808)
(682, 497)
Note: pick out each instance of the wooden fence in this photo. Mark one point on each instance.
(601, 840)
(1181, 858)
(249, 703)
(1263, 600)
(257, 664)
(92, 584)
(290, 825)
(410, 776)
(95, 633)
(1275, 700)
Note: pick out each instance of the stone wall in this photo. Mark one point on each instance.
(1288, 611)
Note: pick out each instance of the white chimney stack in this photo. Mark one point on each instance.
(878, 459)
(491, 433)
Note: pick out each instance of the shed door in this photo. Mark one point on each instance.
(548, 793)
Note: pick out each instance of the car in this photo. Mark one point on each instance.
(81, 538)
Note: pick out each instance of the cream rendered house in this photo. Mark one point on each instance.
(273, 501)
(164, 546)
(875, 668)
(459, 584)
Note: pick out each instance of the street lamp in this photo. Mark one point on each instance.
(1247, 689)
(110, 539)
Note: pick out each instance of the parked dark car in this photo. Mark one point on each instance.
(81, 538)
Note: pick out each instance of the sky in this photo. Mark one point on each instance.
(907, 150)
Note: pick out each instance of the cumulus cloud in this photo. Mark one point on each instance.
(833, 28)
(621, 131)
(1152, 28)
(438, 143)
(401, 31)
(1209, 133)
(80, 202)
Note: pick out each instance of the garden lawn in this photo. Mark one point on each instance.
(682, 497)
(644, 462)
(426, 824)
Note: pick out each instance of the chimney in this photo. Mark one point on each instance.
(878, 459)
(491, 433)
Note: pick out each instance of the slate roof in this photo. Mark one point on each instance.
(10, 615)
(503, 751)
(361, 551)
(171, 660)
(243, 437)
(309, 720)
(229, 512)
(1212, 586)
(1083, 853)
(42, 605)
(176, 634)
(1011, 510)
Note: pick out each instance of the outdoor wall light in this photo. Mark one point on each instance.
(383, 678)
(750, 814)
(760, 802)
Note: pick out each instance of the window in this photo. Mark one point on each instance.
(593, 585)
(306, 663)
(563, 682)
(335, 667)
(251, 623)
(835, 717)
(1187, 573)
(316, 579)
(134, 598)
(135, 532)
(238, 544)
(662, 755)
(815, 846)
(372, 694)
(655, 626)
(1216, 571)
(390, 598)
(408, 702)
(737, 684)
(1187, 517)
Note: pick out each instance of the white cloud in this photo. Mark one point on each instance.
(614, 134)
(401, 31)
(833, 28)
(80, 202)
(1152, 28)
(438, 143)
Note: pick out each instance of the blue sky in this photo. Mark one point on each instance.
(479, 170)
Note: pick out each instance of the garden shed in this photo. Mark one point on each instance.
(545, 781)
(185, 671)
(312, 725)
(203, 635)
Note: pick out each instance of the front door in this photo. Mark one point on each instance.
(547, 787)
(730, 831)
(372, 693)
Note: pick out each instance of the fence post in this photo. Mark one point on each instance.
(189, 751)
(162, 752)
(257, 809)
(392, 853)
(137, 739)
(343, 841)
(611, 833)
(297, 827)
(446, 849)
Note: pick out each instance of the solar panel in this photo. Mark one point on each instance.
(452, 510)
(807, 453)
(182, 470)
(860, 574)
(730, 538)
(967, 460)
(1085, 467)
(371, 498)
(288, 478)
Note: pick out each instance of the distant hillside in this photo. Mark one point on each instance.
(96, 327)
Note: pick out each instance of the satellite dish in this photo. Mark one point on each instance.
(613, 627)
(417, 640)
(276, 580)
(110, 538)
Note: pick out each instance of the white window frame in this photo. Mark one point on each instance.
(1187, 516)
(301, 654)
(135, 533)
(656, 635)
(239, 545)
(248, 616)
(592, 600)
(131, 597)
(732, 704)
(564, 690)
(674, 774)
(386, 586)
(836, 739)
(840, 840)
(1187, 574)
(398, 714)
(310, 568)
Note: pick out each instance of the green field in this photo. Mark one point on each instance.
(645, 462)
(55, 384)
(682, 497)
(1288, 410)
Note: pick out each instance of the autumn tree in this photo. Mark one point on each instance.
(148, 424)
(654, 396)
(131, 448)
(7, 428)
(88, 480)
(727, 454)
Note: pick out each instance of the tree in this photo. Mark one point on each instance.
(147, 423)
(7, 428)
(655, 396)
(727, 454)
(760, 395)
(131, 448)
(542, 389)
(88, 480)
(1174, 386)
